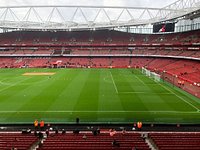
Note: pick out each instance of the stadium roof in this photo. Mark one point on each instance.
(81, 17)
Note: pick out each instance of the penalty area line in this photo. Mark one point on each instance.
(166, 88)
(139, 79)
(180, 97)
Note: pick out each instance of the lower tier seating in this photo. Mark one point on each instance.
(176, 141)
(86, 141)
(17, 141)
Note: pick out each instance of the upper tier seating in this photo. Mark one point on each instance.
(104, 51)
(97, 37)
(103, 42)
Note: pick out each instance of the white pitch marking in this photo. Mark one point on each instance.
(14, 84)
(99, 111)
(145, 93)
(178, 96)
(140, 80)
(114, 83)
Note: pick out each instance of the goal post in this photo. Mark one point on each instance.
(146, 72)
(151, 74)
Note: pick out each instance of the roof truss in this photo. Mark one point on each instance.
(79, 17)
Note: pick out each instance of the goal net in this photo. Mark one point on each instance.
(153, 75)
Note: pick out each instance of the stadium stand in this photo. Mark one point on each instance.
(101, 141)
(98, 37)
(88, 140)
(174, 53)
(176, 141)
(172, 57)
(18, 141)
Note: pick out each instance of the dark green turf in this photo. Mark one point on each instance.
(93, 95)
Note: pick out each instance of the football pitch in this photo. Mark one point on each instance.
(93, 95)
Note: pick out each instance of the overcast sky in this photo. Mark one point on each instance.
(144, 3)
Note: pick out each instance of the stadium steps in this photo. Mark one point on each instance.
(151, 143)
(37, 144)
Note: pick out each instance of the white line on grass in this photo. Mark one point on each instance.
(178, 96)
(13, 84)
(114, 83)
(99, 111)
(139, 79)
(38, 82)
(145, 93)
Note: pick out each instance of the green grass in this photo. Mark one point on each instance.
(93, 95)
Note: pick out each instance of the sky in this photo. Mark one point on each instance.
(142, 3)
